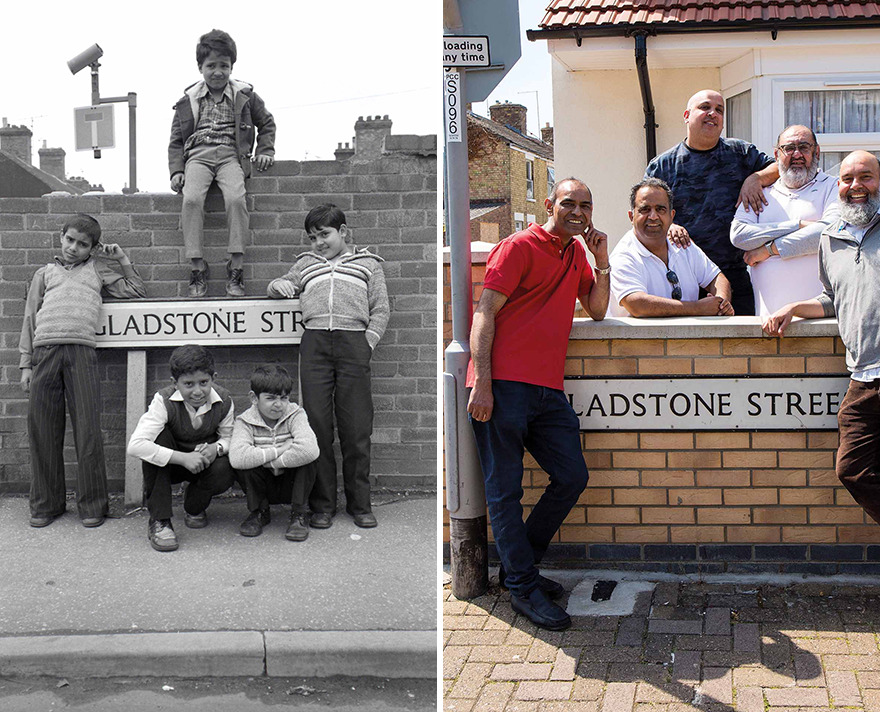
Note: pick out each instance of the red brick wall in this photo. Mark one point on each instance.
(390, 204)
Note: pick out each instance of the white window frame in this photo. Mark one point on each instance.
(519, 222)
(530, 180)
(828, 141)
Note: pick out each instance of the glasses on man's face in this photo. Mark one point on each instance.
(672, 278)
(789, 148)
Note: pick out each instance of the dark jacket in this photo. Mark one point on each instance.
(251, 118)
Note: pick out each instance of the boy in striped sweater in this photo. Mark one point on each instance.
(273, 448)
(345, 310)
(58, 363)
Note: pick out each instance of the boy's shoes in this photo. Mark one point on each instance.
(195, 521)
(552, 588)
(198, 282)
(43, 520)
(540, 610)
(320, 520)
(367, 520)
(234, 281)
(161, 535)
(91, 522)
(298, 529)
(254, 523)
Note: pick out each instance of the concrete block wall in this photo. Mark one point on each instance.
(706, 501)
(390, 203)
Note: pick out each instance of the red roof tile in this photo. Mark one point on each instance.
(567, 14)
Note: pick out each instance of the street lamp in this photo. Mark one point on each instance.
(89, 58)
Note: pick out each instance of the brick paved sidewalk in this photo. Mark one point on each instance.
(687, 646)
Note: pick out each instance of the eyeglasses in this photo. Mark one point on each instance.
(672, 278)
(789, 148)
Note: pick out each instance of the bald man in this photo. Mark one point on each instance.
(710, 176)
(849, 269)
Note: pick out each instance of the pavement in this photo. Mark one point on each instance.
(101, 602)
(668, 644)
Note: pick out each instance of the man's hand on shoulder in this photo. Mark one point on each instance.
(481, 402)
(678, 236)
(751, 194)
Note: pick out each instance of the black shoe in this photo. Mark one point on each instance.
(321, 520)
(234, 281)
(553, 589)
(540, 610)
(195, 521)
(298, 529)
(198, 282)
(161, 535)
(38, 521)
(254, 523)
(367, 520)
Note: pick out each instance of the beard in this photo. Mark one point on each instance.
(795, 177)
(860, 214)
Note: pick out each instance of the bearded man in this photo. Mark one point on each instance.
(781, 244)
(849, 269)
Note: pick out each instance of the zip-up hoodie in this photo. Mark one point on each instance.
(251, 117)
(255, 444)
(849, 272)
(346, 295)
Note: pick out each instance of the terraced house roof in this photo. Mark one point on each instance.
(679, 15)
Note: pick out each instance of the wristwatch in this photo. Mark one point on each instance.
(219, 448)
(603, 271)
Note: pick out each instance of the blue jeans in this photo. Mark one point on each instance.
(541, 420)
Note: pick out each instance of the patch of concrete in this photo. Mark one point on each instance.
(621, 603)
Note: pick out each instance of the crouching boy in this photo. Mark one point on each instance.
(273, 447)
(184, 436)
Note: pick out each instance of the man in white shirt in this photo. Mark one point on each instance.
(781, 243)
(651, 277)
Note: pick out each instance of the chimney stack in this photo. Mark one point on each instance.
(369, 136)
(16, 140)
(547, 134)
(52, 161)
(512, 115)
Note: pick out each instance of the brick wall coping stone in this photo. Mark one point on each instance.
(698, 327)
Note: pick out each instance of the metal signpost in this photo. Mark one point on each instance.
(470, 75)
(89, 58)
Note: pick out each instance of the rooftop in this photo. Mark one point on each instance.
(626, 15)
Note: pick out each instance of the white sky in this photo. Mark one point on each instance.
(318, 66)
(530, 74)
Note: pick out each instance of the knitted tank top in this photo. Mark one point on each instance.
(180, 424)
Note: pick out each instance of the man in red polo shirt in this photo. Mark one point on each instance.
(519, 339)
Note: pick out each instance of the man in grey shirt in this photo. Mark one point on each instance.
(849, 269)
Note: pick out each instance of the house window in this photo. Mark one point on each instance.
(834, 111)
(551, 179)
(739, 116)
(844, 119)
(829, 161)
(519, 222)
(530, 180)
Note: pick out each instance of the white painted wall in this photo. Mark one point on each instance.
(600, 135)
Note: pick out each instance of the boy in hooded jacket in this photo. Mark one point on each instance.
(212, 137)
(344, 303)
